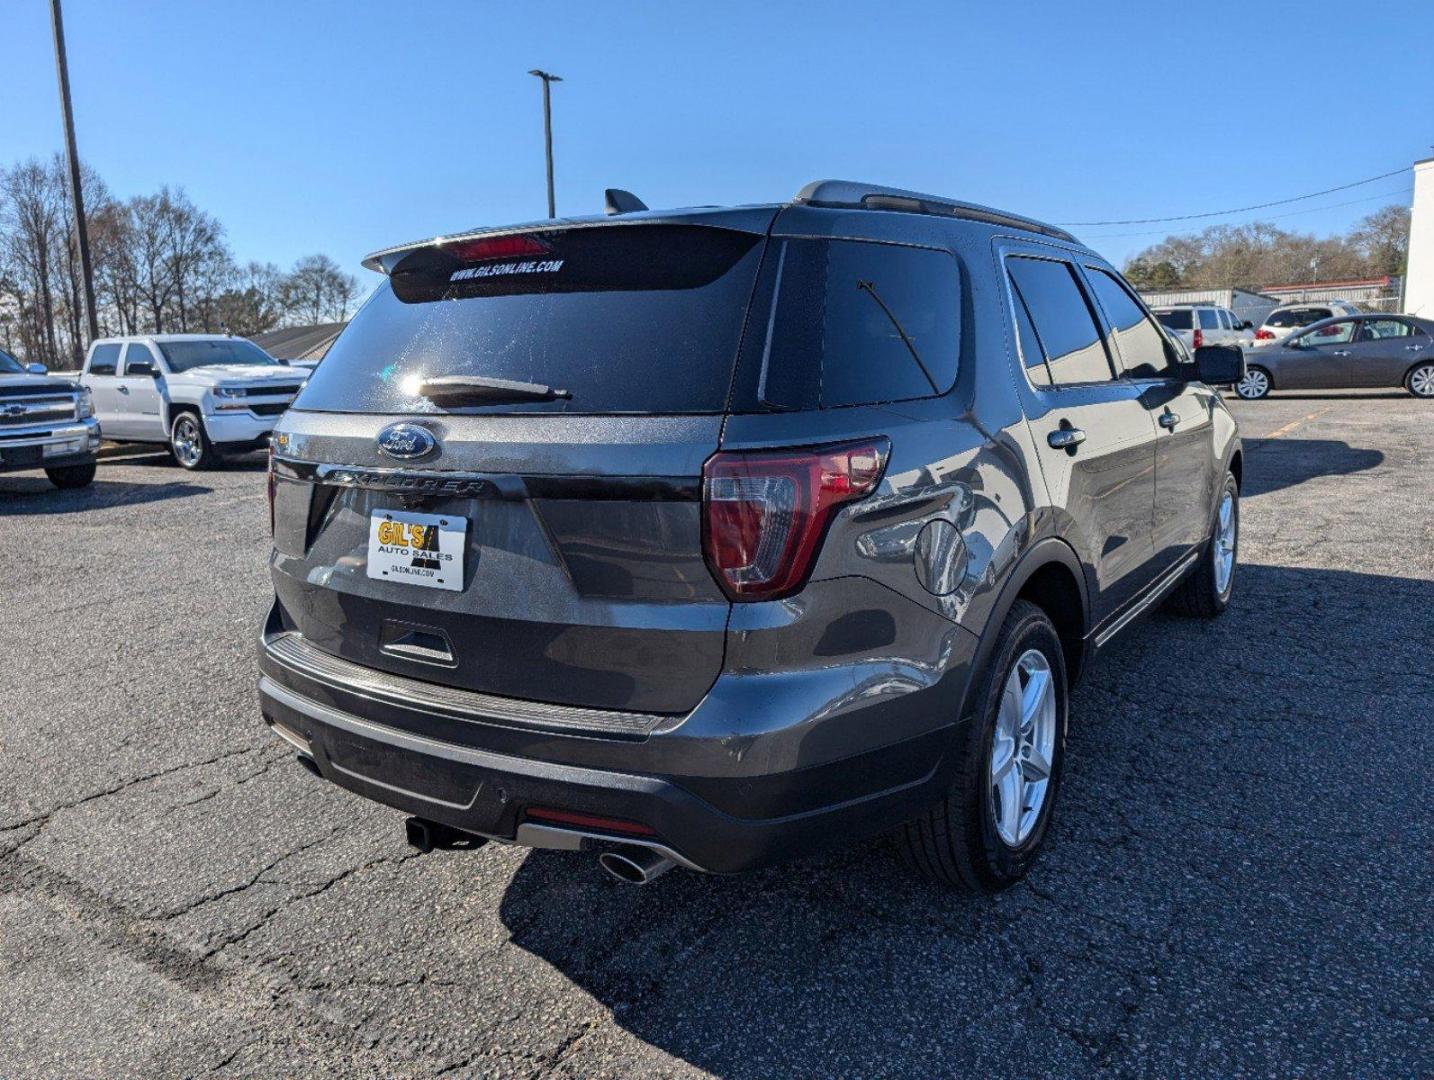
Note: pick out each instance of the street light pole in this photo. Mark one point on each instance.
(548, 80)
(82, 233)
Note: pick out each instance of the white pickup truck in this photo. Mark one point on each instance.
(202, 395)
(46, 423)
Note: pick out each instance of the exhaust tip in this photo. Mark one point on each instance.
(635, 865)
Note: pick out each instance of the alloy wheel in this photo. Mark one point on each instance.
(1255, 384)
(1022, 746)
(1421, 382)
(187, 441)
(1225, 530)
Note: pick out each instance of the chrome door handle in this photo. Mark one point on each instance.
(1168, 420)
(122, 389)
(1341, 352)
(1066, 438)
(1414, 348)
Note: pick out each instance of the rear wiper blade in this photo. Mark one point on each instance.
(480, 389)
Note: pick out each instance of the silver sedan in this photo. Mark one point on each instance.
(1369, 350)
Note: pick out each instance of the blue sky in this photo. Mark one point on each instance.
(344, 127)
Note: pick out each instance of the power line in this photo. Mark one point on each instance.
(1407, 192)
(1238, 209)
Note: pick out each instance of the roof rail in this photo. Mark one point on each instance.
(851, 195)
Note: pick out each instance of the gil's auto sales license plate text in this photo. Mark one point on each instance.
(417, 549)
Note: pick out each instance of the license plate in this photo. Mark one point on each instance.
(417, 549)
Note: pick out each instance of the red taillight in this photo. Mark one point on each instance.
(496, 247)
(1264, 335)
(589, 821)
(765, 513)
(1199, 338)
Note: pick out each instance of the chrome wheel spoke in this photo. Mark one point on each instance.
(1022, 745)
(1034, 765)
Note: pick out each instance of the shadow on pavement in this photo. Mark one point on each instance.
(31, 495)
(1218, 866)
(1273, 464)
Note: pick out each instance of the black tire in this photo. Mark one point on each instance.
(1199, 594)
(1420, 381)
(189, 443)
(956, 841)
(66, 477)
(1251, 388)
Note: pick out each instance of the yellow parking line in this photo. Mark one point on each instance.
(1296, 423)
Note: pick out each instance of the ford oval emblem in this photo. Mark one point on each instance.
(406, 441)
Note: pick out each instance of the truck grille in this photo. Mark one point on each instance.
(269, 408)
(271, 391)
(52, 409)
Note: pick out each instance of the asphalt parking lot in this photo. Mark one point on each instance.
(1238, 881)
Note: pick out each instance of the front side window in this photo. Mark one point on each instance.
(1063, 320)
(1140, 344)
(104, 359)
(1336, 333)
(857, 323)
(137, 353)
(207, 352)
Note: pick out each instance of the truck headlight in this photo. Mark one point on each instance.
(228, 392)
(84, 404)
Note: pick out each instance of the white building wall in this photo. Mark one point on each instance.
(1419, 280)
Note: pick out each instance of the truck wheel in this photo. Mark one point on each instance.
(189, 444)
(71, 476)
(987, 831)
(1207, 589)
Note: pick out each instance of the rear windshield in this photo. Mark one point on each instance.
(1179, 319)
(624, 319)
(186, 355)
(1297, 317)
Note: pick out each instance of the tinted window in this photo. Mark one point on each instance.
(858, 323)
(104, 359)
(1297, 317)
(1030, 345)
(9, 365)
(1139, 342)
(1379, 329)
(1208, 320)
(626, 318)
(1179, 319)
(1063, 320)
(135, 352)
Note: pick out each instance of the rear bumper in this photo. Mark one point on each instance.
(716, 801)
(49, 446)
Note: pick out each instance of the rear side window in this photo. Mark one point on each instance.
(1179, 319)
(1378, 329)
(857, 323)
(1208, 319)
(625, 318)
(1031, 354)
(1140, 344)
(1063, 320)
(104, 360)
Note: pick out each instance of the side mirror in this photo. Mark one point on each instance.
(1247, 325)
(141, 367)
(1219, 365)
(37, 369)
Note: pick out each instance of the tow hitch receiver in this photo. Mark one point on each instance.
(428, 835)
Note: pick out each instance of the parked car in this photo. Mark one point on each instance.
(46, 423)
(1369, 350)
(1206, 324)
(716, 536)
(202, 395)
(1286, 319)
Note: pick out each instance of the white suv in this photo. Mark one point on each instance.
(1287, 318)
(1205, 324)
(203, 395)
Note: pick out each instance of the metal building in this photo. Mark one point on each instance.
(1244, 303)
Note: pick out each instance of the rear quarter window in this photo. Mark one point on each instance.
(859, 323)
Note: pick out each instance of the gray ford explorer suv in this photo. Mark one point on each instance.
(715, 536)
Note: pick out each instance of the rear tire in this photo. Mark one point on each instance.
(66, 477)
(189, 443)
(1205, 593)
(970, 839)
(1420, 381)
(1255, 385)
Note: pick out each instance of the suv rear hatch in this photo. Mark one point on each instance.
(547, 545)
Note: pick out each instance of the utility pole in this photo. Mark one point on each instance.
(82, 233)
(548, 80)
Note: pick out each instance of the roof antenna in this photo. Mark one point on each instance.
(622, 202)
